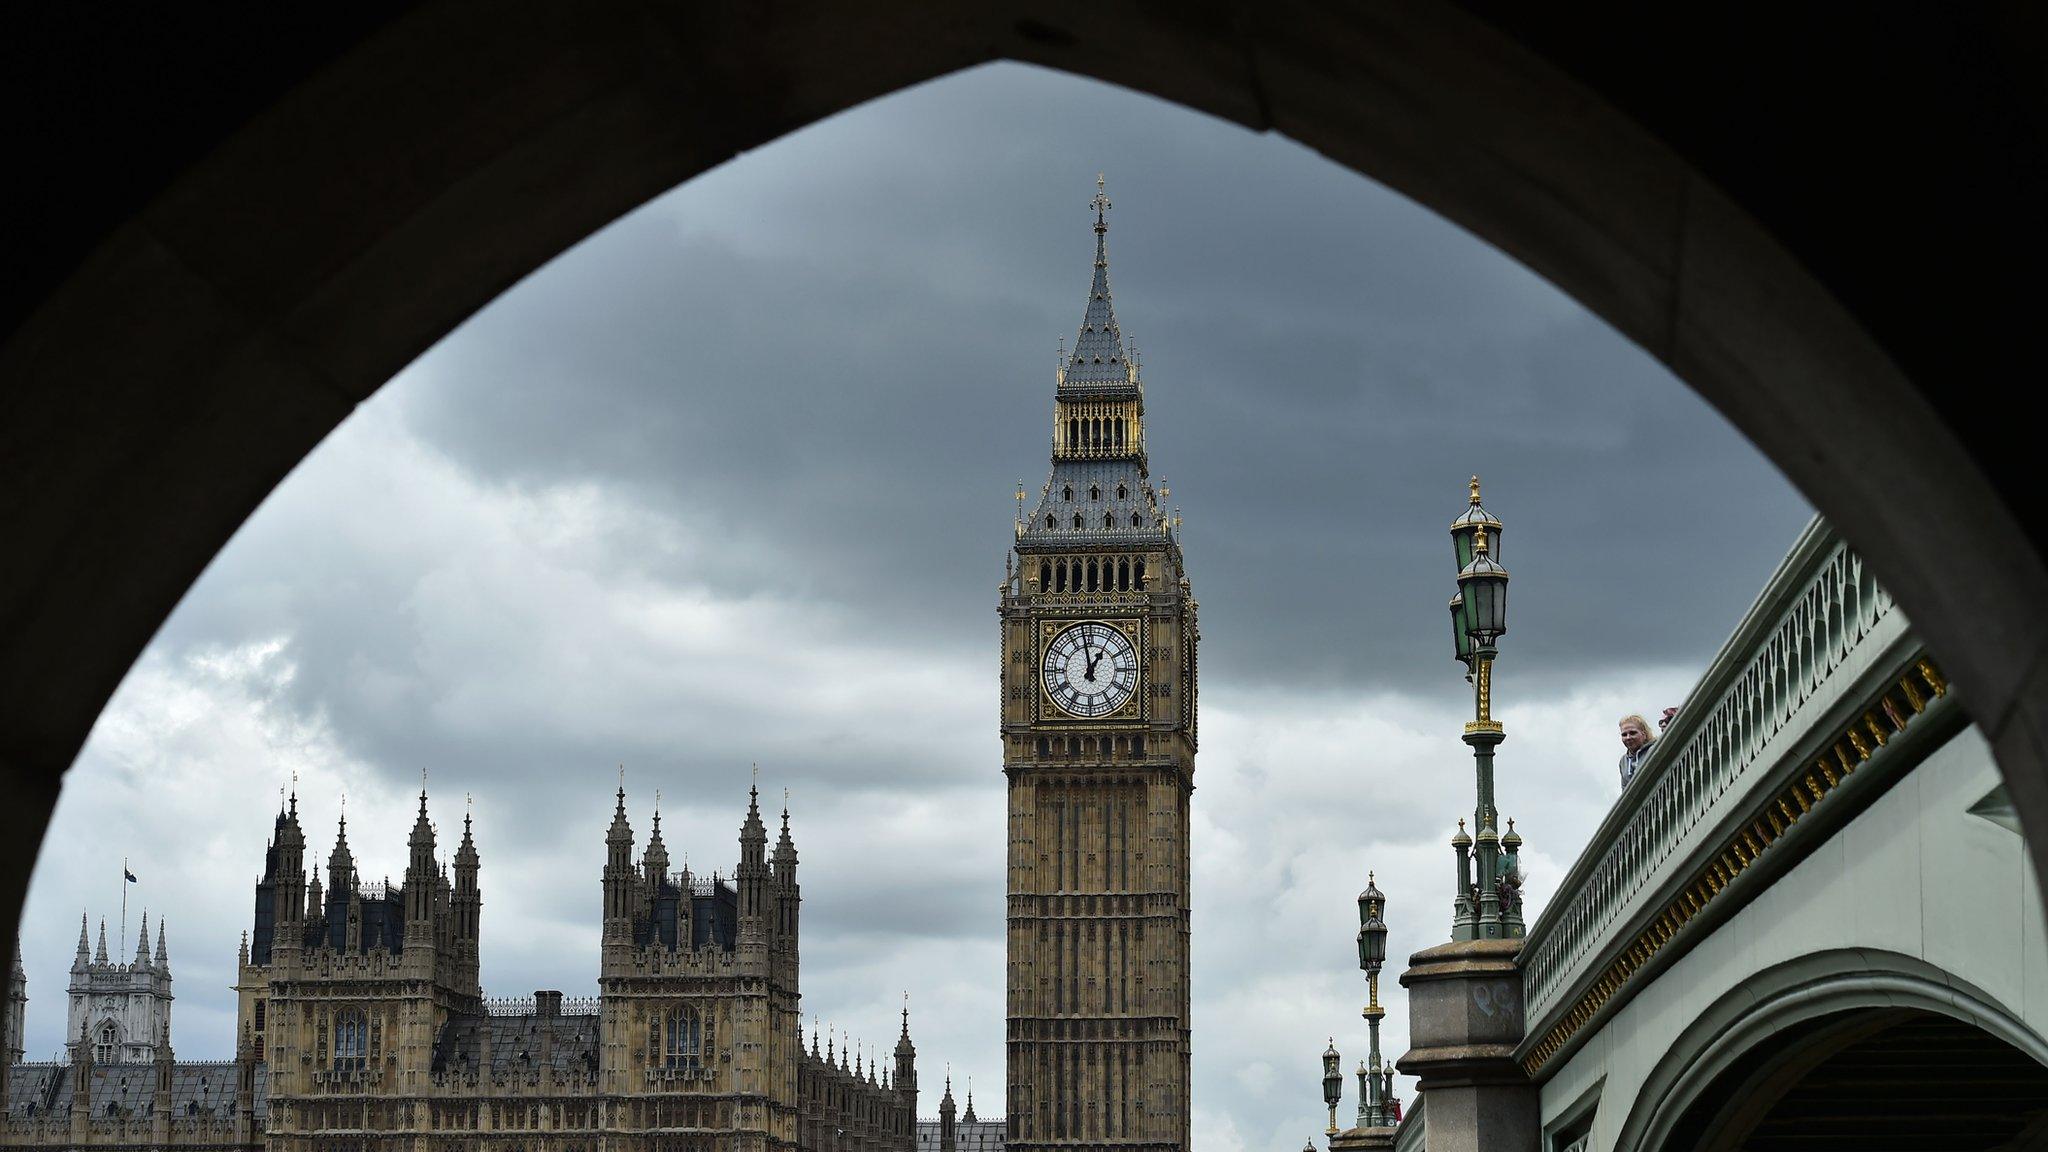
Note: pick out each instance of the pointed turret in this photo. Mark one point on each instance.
(969, 1114)
(618, 873)
(163, 955)
(753, 871)
(467, 899)
(421, 873)
(341, 865)
(99, 956)
(286, 873)
(17, 1009)
(906, 1062)
(654, 861)
(84, 956)
(142, 944)
(948, 1125)
(785, 850)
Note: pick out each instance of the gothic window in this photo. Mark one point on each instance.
(1077, 519)
(1092, 573)
(351, 1040)
(1067, 493)
(1108, 520)
(1138, 574)
(1119, 432)
(682, 1039)
(1122, 493)
(1135, 523)
(1123, 575)
(260, 1004)
(108, 1049)
(1062, 576)
(1049, 522)
(1044, 577)
(1137, 745)
(1095, 491)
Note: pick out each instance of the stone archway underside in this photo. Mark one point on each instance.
(240, 226)
(1873, 1080)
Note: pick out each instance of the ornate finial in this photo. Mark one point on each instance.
(1475, 491)
(1479, 541)
(1100, 204)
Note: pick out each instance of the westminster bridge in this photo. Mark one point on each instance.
(1809, 921)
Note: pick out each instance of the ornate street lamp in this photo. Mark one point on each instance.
(1373, 1081)
(1461, 634)
(1488, 906)
(1333, 1083)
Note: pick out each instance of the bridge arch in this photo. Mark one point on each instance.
(227, 258)
(1726, 1074)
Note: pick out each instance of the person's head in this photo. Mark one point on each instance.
(1635, 732)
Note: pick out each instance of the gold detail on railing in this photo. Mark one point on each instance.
(1848, 749)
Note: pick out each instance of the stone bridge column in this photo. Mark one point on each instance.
(1464, 1021)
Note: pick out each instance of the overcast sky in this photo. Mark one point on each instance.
(673, 502)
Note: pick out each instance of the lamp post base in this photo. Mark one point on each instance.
(1464, 1022)
(1363, 1139)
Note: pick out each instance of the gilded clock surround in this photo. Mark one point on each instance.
(1049, 710)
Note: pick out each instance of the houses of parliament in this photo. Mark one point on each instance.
(362, 1025)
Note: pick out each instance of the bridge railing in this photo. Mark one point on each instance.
(1815, 631)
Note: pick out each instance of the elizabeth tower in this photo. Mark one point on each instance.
(1099, 746)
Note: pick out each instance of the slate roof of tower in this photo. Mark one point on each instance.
(714, 916)
(1098, 362)
(517, 1044)
(1095, 485)
(198, 1088)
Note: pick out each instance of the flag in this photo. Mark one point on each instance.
(127, 875)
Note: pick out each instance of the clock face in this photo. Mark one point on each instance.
(1090, 670)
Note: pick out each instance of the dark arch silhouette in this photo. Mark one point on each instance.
(237, 227)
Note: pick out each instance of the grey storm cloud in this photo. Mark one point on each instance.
(730, 483)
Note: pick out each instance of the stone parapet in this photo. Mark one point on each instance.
(1465, 1020)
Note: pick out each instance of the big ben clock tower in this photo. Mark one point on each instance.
(1098, 693)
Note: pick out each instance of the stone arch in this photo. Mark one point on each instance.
(1815, 998)
(222, 275)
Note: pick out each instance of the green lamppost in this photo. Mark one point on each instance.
(1489, 904)
(1374, 1082)
(1333, 1083)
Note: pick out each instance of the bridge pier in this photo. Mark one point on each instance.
(1465, 1019)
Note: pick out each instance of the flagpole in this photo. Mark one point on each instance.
(124, 903)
